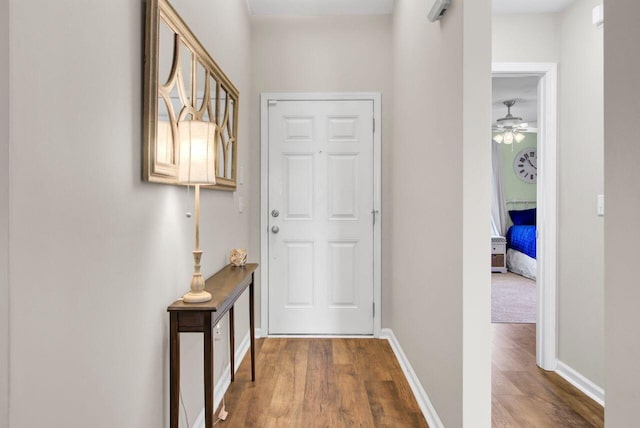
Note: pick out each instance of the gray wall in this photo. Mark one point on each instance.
(571, 40)
(96, 254)
(580, 180)
(4, 213)
(526, 38)
(325, 54)
(440, 283)
(622, 230)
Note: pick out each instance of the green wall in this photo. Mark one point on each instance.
(514, 188)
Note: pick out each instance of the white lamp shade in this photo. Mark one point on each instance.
(508, 138)
(519, 137)
(197, 161)
(498, 138)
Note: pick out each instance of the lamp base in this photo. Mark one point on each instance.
(197, 293)
(197, 297)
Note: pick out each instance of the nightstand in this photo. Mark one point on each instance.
(498, 254)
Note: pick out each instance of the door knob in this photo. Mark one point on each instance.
(275, 213)
(275, 229)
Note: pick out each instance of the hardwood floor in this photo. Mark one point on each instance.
(322, 383)
(358, 383)
(524, 395)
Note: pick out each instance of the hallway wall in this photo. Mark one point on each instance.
(440, 278)
(4, 213)
(97, 254)
(622, 230)
(581, 179)
(526, 38)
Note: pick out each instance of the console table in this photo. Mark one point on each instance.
(226, 286)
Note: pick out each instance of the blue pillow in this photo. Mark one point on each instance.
(523, 217)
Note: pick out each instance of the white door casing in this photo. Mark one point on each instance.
(547, 217)
(319, 204)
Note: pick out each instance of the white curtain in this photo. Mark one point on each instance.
(498, 210)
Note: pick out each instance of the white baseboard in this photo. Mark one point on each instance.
(422, 398)
(593, 391)
(258, 333)
(225, 379)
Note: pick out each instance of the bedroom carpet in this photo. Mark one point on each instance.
(513, 299)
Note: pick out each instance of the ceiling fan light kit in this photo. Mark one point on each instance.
(510, 127)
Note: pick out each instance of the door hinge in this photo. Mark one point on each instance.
(374, 125)
(374, 212)
(272, 102)
(374, 309)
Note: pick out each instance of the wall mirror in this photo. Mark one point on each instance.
(183, 82)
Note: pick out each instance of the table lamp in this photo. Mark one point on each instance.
(196, 166)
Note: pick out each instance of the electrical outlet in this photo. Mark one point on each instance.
(217, 333)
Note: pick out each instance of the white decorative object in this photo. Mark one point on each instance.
(238, 257)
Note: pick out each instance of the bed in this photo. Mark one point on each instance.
(521, 243)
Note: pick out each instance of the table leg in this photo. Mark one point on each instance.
(174, 371)
(232, 345)
(252, 330)
(208, 373)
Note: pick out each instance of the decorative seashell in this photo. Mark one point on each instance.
(238, 257)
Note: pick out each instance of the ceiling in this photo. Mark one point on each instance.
(384, 7)
(504, 7)
(320, 7)
(522, 89)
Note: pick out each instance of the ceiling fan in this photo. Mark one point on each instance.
(510, 127)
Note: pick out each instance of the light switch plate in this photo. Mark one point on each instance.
(601, 205)
(597, 15)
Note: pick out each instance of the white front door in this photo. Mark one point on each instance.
(320, 217)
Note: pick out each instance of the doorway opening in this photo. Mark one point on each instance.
(514, 196)
(546, 206)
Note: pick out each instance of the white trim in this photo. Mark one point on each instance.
(225, 379)
(429, 412)
(590, 389)
(546, 324)
(264, 193)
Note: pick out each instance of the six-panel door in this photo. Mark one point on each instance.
(320, 217)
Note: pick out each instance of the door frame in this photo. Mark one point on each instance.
(265, 98)
(547, 209)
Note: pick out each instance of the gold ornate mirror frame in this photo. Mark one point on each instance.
(183, 82)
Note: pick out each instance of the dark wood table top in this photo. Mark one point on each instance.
(223, 286)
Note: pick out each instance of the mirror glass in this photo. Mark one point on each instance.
(231, 142)
(202, 93)
(164, 134)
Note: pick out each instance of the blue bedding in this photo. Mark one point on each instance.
(523, 239)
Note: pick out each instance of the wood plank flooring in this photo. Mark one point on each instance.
(322, 383)
(523, 395)
(358, 383)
